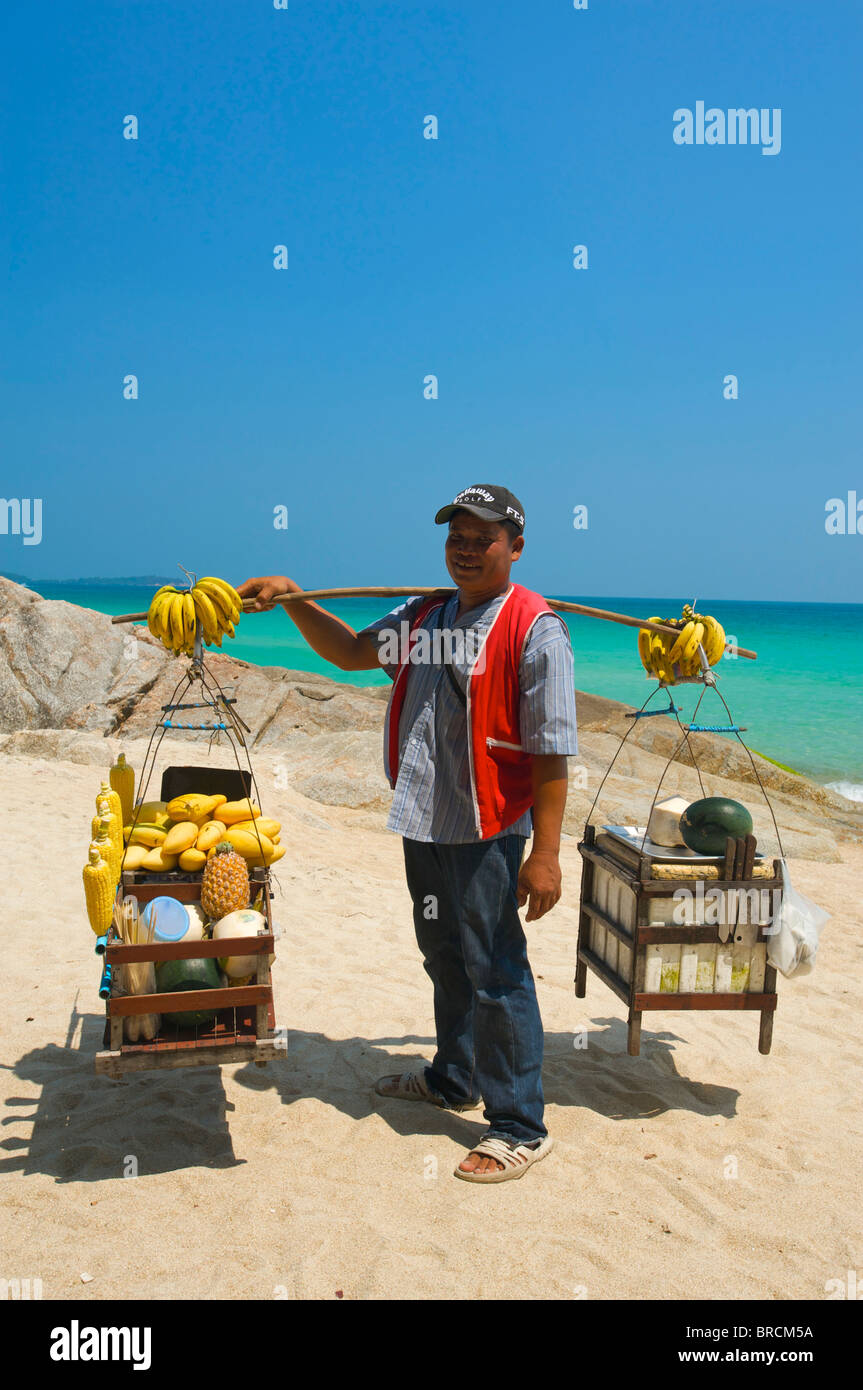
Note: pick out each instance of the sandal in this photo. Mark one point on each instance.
(412, 1085)
(516, 1159)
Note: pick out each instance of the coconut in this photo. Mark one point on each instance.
(245, 922)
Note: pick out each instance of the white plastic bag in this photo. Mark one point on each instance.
(793, 943)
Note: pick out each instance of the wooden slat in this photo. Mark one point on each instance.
(705, 1001)
(621, 989)
(173, 1038)
(614, 866)
(664, 887)
(765, 1032)
(119, 1064)
(185, 1000)
(750, 846)
(587, 882)
(186, 888)
(639, 969)
(191, 950)
(659, 935)
(621, 853)
(184, 892)
(609, 923)
(262, 975)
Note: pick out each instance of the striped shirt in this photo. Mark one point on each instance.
(432, 800)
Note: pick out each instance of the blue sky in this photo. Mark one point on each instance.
(408, 256)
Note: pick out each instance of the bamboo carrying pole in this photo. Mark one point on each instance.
(559, 605)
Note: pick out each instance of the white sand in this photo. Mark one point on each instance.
(295, 1180)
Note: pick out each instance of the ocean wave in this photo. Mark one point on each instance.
(852, 790)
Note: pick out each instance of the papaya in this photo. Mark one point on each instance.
(233, 812)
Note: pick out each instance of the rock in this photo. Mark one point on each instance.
(62, 666)
(58, 745)
(342, 769)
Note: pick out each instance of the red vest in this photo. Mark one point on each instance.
(500, 770)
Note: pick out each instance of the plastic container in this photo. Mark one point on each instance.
(172, 919)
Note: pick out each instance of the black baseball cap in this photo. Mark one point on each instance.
(487, 501)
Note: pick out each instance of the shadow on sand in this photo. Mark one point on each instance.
(86, 1128)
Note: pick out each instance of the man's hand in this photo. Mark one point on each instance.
(330, 637)
(539, 881)
(263, 590)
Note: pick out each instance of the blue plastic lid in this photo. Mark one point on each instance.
(172, 919)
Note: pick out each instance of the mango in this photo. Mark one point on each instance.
(233, 812)
(158, 863)
(265, 824)
(192, 860)
(210, 834)
(180, 837)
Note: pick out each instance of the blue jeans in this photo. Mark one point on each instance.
(489, 1031)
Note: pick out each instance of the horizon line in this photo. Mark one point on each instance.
(145, 581)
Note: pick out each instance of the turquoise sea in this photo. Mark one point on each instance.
(801, 701)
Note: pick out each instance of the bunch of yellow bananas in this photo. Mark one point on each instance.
(670, 658)
(173, 613)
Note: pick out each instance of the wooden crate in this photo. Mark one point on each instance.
(630, 935)
(244, 1028)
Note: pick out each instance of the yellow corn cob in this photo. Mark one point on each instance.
(98, 891)
(116, 809)
(108, 849)
(115, 804)
(103, 808)
(122, 778)
(115, 830)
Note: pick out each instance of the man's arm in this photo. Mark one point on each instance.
(539, 879)
(331, 638)
(547, 718)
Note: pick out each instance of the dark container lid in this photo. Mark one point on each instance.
(232, 782)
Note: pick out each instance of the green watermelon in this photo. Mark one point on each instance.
(175, 976)
(706, 824)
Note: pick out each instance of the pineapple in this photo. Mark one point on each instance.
(225, 885)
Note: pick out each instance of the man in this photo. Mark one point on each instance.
(480, 721)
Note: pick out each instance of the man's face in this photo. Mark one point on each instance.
(480, 554)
